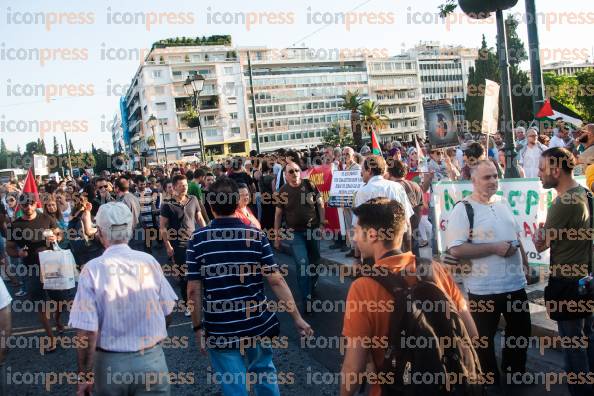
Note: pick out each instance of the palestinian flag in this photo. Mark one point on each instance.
(552, 109)
(375, 147)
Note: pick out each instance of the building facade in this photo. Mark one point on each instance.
(567, 68)
(117, 134)
(444, 73)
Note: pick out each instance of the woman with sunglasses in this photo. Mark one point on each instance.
(14, 264)
(81, 231)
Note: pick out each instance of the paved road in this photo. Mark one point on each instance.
(315, 366)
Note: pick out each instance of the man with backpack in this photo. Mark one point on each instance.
(380, 306)
(569, 294)
(483, 229)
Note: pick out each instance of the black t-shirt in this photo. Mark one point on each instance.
(242, 177)
(29, 233)
(299, 205)
(182, 218)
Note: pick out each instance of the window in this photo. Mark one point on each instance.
(156, 73)
(412, 109)
(164, 121)
(159, 90)
(235, 130)
(229, 70)
(161, 106)
(233, 115)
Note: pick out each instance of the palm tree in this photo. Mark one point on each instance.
(352, 101)
(372, 120)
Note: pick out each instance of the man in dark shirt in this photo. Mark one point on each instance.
(239, 174)
(301, 204)
(178, 220)
(26, 236)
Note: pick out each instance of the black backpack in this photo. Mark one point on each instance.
(423, 315)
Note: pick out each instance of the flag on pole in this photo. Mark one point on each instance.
(375, 148)
(552, 109)
(422, 167)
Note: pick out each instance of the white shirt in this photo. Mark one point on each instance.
(492, 223)
(556, 142)
(378, 187)
(123, 294)
(5, 298)
(530, 161)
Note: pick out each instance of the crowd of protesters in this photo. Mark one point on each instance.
(231, 213)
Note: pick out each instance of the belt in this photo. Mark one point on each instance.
(141, 351)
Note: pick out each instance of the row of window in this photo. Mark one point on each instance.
(296, 122)
(294, 94)
(439, 66)
(397, 95)
(451, 77)
(280, 137)
(315, 80)
(398, 109)
(393, 81)
(390, 66)
(443, 90)
(296, 107)
(395, 124)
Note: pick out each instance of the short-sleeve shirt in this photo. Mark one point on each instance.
(5, 298)
(182, 218)
(299, 205)
(29, 233)
(569, 213)
(231, 258)
(590, 176)
(492, 223)
(363, 323)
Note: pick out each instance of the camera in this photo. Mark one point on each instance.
(586, 285)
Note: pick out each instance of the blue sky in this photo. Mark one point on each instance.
(90, 86)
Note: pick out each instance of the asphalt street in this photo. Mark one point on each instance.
(304, 368)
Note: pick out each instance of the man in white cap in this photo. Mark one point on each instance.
(122, 307)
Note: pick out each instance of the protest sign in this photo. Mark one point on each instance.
(490, 108)
(440, 123)
(321, 177)
(344, 186)
(527, 198)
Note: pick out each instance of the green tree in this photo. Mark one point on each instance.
(42, 149)
(3, 149)
(70, 147)
(563, 88)
(337, 135)
(31, 148)
(56, 150)
(585, 95)
(19, 149)
(352, 101)
(485, 67)
(371, 119)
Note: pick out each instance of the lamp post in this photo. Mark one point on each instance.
(164, 145)
(193, 87)
(152, 123)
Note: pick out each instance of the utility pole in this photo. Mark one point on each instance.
(538, 93)
(253, 104)
(68, 153)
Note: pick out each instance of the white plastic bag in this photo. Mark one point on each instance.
(58, 269)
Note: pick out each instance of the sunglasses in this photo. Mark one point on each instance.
(101, 187)
(293, 171)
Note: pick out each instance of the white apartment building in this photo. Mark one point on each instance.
(395, 86)
(444, 73)
(117, 134)
(567, 68)
(157, 89)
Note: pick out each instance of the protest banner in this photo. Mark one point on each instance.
(490, 108)
(440, 123)
(529, 202)
(321, 177)
(344, 186)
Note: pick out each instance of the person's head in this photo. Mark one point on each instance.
(348, 154)
(559, 122)
(398, 170)
(484, 178)
(141, 182)
(474, 152)
(27, 204)
(189, 174)
(223, 197)
(199, 175)
(520, 133)
(180, 184)
(374, 165)
(380, 226)
(501, 157)
(293, 174)
(244, 195)
(587, 137)
(114, 223)
(122, 185)
(498, 138)
(563, 132)
(556, 165)
(167, 186)
(11, 199)
(436, 155)
(50, 206)
(209, 178)
(531, 136)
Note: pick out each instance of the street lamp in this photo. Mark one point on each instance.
(152, 123)
(193, 87)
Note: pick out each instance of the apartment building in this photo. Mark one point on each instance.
(567, 68)
(395, 86)
(444, 73)
(158, 89)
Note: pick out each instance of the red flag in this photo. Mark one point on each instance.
(31, 187)
(546, 110)
(375, 148)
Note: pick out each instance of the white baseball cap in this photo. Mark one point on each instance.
(115, 221)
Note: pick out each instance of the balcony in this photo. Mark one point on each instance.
(396, 101)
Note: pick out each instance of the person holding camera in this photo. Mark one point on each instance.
(482, 229)
(569, 295)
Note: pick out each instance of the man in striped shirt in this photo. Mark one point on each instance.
(227, 264)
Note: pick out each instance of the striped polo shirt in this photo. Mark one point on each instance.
(230, 259)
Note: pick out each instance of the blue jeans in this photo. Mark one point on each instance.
(230, 371)
(578, 359)
(306, 251)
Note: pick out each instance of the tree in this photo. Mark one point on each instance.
(352, 101)
(563, 88)
(584, 96)
(31, 148)
(371, 119)
(42, 149)
(56, 150)
(337, 135)
(3, 149)
(19, 149)
(70, 147)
